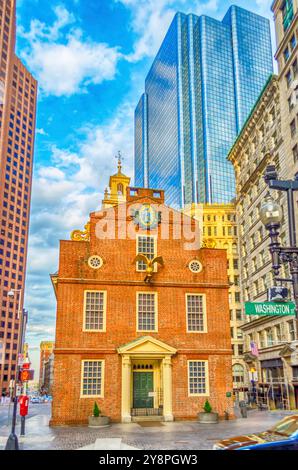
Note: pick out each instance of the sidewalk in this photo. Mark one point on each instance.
(180, 435)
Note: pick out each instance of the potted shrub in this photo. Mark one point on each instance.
(207, 416)
(97, 420)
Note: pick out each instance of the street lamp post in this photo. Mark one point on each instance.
(12, 441)
(271, 216)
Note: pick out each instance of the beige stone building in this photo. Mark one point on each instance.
(286, 29)
(46, 350)
(220, 231)
(261, 142)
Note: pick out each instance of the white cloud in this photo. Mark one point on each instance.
(41, 132)
(63, 61)
(51, 173)
(151, 19)
(44, 329)
(64, 193)
(39, 30)
(264, 6)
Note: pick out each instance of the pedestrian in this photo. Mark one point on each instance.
(243, 409)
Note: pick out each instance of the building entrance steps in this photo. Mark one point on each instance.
(137, 419)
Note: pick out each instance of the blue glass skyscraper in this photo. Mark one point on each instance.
(199, 91)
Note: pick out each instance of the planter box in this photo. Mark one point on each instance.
(98, 421)
(208, 418)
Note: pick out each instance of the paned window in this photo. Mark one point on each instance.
(147, 311)
(238, 374)
(262, 339)
(270, 337)
(92, 378)
(292, 330)
(95, 311)
(287, 13)
(198, 378)
(295, 153)
(146, 246)
(196, 312)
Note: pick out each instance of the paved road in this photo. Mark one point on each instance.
(34, 410)
(183, 435)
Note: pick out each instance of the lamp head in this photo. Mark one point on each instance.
(11, 294)
(271, 212)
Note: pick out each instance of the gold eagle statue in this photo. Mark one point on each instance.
(149, 264)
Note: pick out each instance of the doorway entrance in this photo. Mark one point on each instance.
(143, 390)
(146, 379)
(296, 395)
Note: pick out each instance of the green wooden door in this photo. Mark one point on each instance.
(142, 386)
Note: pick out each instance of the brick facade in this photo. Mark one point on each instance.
(120, 280)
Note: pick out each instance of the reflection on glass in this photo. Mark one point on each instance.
(199, 92)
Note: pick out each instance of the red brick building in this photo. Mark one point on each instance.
(159, 346)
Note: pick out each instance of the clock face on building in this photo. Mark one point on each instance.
(147, 217)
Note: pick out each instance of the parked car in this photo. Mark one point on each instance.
(34, 400)
(282, 436)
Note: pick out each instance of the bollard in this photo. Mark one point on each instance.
(23, 421)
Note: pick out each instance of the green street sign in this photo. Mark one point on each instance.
(270, 308)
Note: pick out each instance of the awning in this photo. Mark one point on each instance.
(271, 363)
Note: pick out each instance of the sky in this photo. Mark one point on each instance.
(90, 59)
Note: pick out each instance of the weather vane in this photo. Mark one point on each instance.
(120, 160)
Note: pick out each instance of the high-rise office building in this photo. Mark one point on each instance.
(199, 91)
(18, 91)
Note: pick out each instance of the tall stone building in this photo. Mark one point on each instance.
(163, 351)
(270, 347)
(220, 231)
(46, 351)
(47, 386)
(286, 28)
(18, 91)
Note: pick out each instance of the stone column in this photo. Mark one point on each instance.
(167, 389)
(126, 384)
(288, 374)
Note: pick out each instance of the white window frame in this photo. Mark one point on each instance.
(137, 251)
(156, 311)
(103, 330)
(291, 329)
(101, 395)
(207, 393)
(205, 328)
